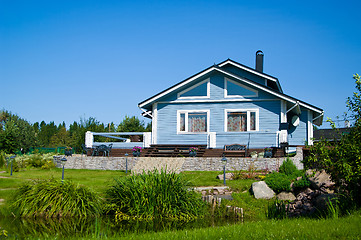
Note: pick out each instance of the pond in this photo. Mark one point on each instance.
(93, 227)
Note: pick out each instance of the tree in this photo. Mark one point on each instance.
(354, 103)
(343, 159)
(60, 139)
(131, 124)
(15, 133)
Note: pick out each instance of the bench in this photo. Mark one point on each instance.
(169, 150)
(235, 149)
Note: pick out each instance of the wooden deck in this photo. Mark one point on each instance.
(165, 150)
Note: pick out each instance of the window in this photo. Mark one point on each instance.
(233, 89)
(193, 121)
(199, 90)
(241, 120)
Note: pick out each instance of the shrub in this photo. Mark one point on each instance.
(154, 195)
(52, 198)
(302, 183)
(2, 159)
(342, 161)
(289, 168)
(279, 182)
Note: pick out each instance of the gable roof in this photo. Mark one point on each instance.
(251, 70)
(147, 103)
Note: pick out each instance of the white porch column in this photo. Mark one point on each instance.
(309, 128)
(211, 141)
(154, 123)
(147, 139)
(89, 139)
(283, 134)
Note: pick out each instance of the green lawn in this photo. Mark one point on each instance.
(342, 228)
(99, 180)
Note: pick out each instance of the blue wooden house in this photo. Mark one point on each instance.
(230, 103)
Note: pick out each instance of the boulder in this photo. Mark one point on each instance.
(322, 201)
(286, 196)
(321, 179)
(262, 191)
(229, 176)
(310, 172)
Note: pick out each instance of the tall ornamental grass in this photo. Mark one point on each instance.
(154, 195)
(52, 198)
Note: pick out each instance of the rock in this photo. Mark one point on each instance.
(286, 196)
(229, 176)
(228, 197)
(262, 191)
(321, 179)
(308, 191)
(321, 202)
(310, 172)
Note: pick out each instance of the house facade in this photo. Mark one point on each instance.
(230, 103)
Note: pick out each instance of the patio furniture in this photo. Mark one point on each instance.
(102, 148)
(85, 149)
(235, 149)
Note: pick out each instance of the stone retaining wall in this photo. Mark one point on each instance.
(188, 163)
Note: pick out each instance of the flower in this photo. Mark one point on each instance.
(68, 148)
(193, 149)
(137, 149)
(267, 149)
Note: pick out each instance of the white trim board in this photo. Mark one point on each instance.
(179, 112)
(248, 110)
(194, 86)
(226, 95)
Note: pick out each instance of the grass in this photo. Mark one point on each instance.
(154, 195)
(101, 180)
(53, 198)
(332, 228)
(197, 178)
(98, 180)
(344, 228)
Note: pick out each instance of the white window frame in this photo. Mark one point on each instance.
(248, 110)
(226, 95)
(179, 112)
(194, 86)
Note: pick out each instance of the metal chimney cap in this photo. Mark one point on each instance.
(259, 52)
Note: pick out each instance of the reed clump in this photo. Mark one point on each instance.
(52, 198)
(154, 195)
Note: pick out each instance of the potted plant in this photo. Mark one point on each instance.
(193, 151)
(267, 152)
(254, 154)
(136, 151)
(68, 151)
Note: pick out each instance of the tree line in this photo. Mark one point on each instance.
(17, 134)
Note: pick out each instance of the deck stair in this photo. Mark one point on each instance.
(168, 150)
(149, 164)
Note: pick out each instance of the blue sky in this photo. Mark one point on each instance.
(66, 60)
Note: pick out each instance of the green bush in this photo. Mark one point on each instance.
(289, 168)
(301, 184)
(342, 158)
(342, 161)
(2, 159)
(154, 195)
(52, 198)
(279, 182)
